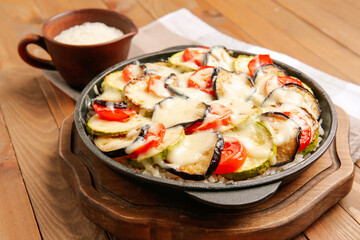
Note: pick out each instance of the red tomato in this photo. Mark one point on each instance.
(232, 156)
(258, 61)
(305, 131)
(281, 81)
(131, 71)
(113, 113)
(194, 54)
(219, 116)
(154, 136)
(201, 79)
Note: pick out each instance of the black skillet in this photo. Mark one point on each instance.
(225, 195)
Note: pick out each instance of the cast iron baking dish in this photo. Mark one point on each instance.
(225, 195)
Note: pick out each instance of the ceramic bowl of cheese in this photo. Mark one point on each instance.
(226, 127)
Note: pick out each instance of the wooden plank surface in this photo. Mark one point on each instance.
(15, 206)
(321, 33)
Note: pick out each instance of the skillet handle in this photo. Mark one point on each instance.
(239, 198)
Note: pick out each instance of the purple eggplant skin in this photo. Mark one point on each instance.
(214, 79)
(317, 117)
(261, 68)
(110, 103)
(205, 61)
(188, 124)
(121, 152)
(281, 149)
(214, 162)
(170, 88)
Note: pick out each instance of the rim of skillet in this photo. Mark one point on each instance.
(83, 103)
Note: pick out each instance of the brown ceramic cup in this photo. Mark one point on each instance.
(78, 64)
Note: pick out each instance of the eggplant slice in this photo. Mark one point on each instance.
(232, 85)
(179, 86)
(286, 134)
(219, 56)
(195, 157)
(174, 111)
(295, 94)
(136, 91)
(261, 76)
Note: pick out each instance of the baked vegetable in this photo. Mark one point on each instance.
(259, 144)
(167, 111)
(286, 135)
(195, 157)
(232, 85)
(295, 94)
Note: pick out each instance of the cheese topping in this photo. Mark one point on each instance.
(192, 148)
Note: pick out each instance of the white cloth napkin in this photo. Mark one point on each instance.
(182, 28)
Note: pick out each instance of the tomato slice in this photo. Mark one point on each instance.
(131, 71)
(281, 81)
(232, 156)
(219, 116)
(153, 86)
(258, 61)
(201, 79)
(154, 136)
(305, 130)
(195, 55)
(113, 113)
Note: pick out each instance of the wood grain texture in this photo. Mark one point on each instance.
(132, 9)
(34, 136)
(270, 35)
(60, 104)
(133, 211)
(326, 22)
(15, 205)
(309, 37)
(201, 9)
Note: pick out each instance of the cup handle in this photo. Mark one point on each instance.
(31, 59)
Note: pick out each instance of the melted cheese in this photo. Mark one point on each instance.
(172, 135)
(219, 57)
(136, 92)
(176, 110)
(234, 86)
(192, 148)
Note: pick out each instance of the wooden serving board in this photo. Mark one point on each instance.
(130, 210)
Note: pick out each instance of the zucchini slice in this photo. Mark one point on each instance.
(177, 61)
(232, 85)
(175, 111)
(258, 141)
(111, 94)
(179, 86)
(115, 80)
(196, 156)
(159, 68)
(241, 64)
(136, 91)
(101, 127)
(295, 94)
(219, 56)
(286, 134)
(172, 136)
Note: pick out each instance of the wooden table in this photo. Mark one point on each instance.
(36, 201)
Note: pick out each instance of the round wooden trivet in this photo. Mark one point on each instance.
(131, 210)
